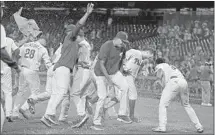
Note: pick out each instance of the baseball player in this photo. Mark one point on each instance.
(174, 83)
(6, 77)
(134, 61)
(31, 55)
(5, 57)
(107, 73)
(47, 94)
(64, 66)
(82, 78)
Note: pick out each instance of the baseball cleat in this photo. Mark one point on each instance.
(81, 121)
(45, 122)
(31, 104)
(9, 119)
(136, 120)
(200, 130)
(159, 129)
(97, 127)
(63, 122)
(51, 119)
(124, 119)
(23, 113)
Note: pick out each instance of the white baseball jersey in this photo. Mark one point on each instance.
(10, 47)
(57, 54)
(169, 71)
(3, 37)
(134, 59)
(31, 55)
(84, 53)
(3, 41)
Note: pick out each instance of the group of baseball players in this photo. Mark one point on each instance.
(113, 74)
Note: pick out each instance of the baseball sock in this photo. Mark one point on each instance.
(131, 107)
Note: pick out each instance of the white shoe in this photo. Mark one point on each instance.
(209, 104)
(159, 129)
(204, 104)
(51, 119)
(24, 114)
(97, 127)
(200, 130)
(45, 122)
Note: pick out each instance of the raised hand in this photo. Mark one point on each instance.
(90, 8)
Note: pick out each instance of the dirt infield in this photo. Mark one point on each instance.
(147, 110)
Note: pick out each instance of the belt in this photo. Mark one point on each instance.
(24, 66)
(172, 77)
(84, 67)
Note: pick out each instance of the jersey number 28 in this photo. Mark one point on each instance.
(29, 53)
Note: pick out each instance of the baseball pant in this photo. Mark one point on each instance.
(132, 91)
(120, 91)
(2, 117)
(81, 81)
(47, 94)
(206, 91)
(173, 87)
(30, 79)
(60, 91)
(6, 87)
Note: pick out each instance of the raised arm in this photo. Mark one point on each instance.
(82, 21)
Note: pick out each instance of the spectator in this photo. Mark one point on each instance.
(193, 78)
(205, 78)
(197, 29)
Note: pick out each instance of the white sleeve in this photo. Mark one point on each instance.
(46, 58)
(3, 37)
(13, 46)
(58, 51)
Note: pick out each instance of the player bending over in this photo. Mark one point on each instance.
(174, 83)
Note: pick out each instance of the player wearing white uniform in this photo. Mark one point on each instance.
(84, 76)
(7, 79)
(7, 59)
(133, 62)
(31, 55)
(47, 94)
(174, 83)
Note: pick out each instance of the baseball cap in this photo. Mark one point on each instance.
(123, 36)
(72, 27)
(3, 5)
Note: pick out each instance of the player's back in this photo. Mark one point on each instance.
(133, 61)
(31, 55)
(170, 71)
